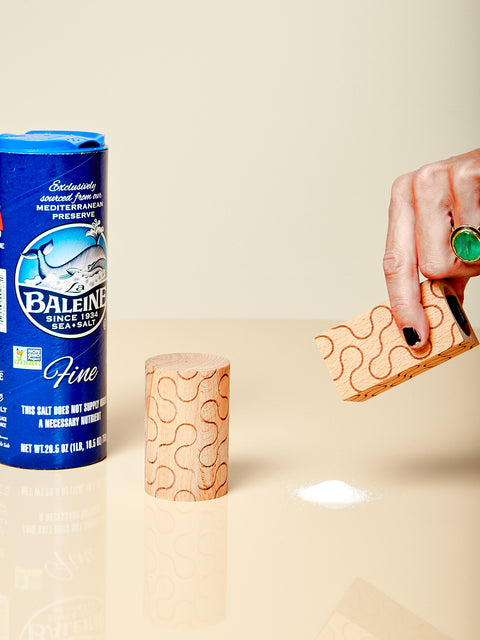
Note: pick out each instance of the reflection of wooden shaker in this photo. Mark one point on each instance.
(186, 430)
(185, 563)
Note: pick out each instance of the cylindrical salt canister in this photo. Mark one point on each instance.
(186, 431)
(53, 253)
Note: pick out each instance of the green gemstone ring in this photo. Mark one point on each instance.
(465, 243)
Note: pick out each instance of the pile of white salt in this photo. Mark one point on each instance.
(333, 494)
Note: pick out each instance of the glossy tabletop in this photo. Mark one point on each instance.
(351, 521)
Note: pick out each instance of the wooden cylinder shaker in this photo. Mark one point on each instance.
(186, 429)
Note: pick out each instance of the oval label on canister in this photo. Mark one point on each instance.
(60, 280)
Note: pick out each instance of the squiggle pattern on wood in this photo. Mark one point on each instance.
(368, 355)
(186, 460)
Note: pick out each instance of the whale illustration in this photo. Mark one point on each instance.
(88, 261)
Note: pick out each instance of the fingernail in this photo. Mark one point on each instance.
(411, 336)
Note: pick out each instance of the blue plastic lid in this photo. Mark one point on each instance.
(52, 142)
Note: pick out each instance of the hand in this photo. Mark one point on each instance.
(425, 205)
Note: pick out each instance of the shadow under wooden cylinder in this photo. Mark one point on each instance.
(185, 566)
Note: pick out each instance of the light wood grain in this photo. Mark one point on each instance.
(186, 430)
(368, 355)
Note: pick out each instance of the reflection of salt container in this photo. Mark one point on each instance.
(52, 554)
(52, 299)
(185, 563)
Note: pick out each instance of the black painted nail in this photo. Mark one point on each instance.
(411, 336)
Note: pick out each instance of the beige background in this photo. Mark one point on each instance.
(253, 143)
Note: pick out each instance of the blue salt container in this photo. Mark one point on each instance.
(53, 272)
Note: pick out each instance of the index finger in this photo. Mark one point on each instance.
(400, 265)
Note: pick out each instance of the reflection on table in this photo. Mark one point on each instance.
(52, 553)
(185, 562)
(365, 613)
